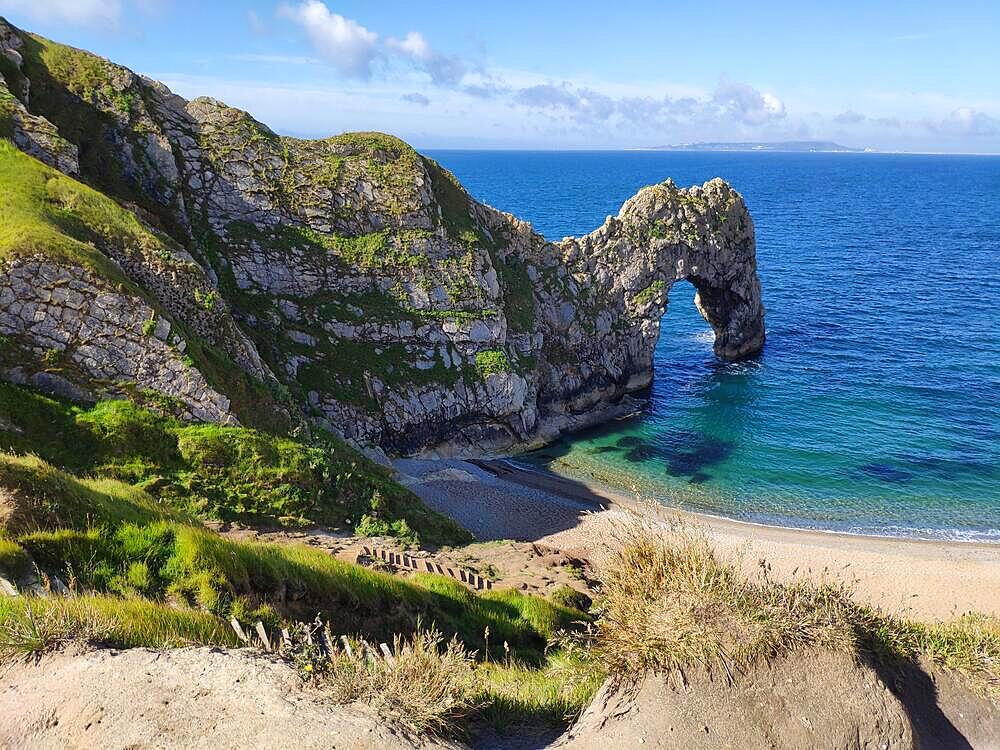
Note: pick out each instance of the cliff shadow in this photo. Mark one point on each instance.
(916, 689)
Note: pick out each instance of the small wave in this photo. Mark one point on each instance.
(704, 337)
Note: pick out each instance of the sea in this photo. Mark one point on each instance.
(874, 407)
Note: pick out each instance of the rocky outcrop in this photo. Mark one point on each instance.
(69, 318)
(394, 309)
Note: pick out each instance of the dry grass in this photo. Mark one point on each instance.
(34, 627)
(427, 684)
(671, 603)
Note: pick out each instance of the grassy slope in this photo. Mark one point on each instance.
(225, 473)
(107, 537)
(44, 212)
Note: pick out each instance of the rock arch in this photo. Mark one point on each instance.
(617, 281)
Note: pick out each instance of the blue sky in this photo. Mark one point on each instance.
(916, 76)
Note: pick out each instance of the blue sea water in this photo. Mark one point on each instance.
(875, 405)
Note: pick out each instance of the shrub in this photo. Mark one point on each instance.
(492, 362)
(567, 596)
(371, 526)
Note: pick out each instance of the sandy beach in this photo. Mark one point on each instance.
(925, 580)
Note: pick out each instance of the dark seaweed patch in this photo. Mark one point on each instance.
(605, 449)
(692, 458)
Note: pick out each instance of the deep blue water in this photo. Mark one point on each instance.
(875, 406)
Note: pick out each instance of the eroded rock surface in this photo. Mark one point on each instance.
(361, 284)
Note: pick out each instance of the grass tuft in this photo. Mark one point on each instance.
(30, 626)
(426, 685)
(670, 603)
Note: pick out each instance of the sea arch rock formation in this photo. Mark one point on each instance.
(346, 283)
(660, 236)
(600, 298)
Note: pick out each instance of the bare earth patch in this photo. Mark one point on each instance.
(803, 700)
(190, 698)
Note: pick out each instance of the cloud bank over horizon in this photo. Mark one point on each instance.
(309, 68)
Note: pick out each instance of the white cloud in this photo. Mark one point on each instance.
(748, 105)
(444, 70)
(416, 98)
(849, 117)
(413, 45)
(343, 42)
(89, 12)
(966, 121)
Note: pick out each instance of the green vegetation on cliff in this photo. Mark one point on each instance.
(224, 473)
(44, 212)
(454, 202)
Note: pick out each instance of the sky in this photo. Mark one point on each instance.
(906, 76)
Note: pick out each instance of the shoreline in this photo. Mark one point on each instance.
(618, 496)
(923, 579)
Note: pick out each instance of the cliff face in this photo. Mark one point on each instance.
(346, 282)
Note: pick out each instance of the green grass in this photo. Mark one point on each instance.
(170, 561)
(525, 622)
(50, 214)
(513, 694)
(14, 561)
(224, 473)
(30, 625)
(492, 362)
(46, 497)
(8, 106)
(651, 292)
(454, 202)
(107, 537)
(372, 251)
(72, 89)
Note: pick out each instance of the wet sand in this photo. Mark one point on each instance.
(922, 579)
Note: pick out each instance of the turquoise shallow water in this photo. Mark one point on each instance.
(875, 406)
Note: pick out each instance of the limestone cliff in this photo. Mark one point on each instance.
(346, 282)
